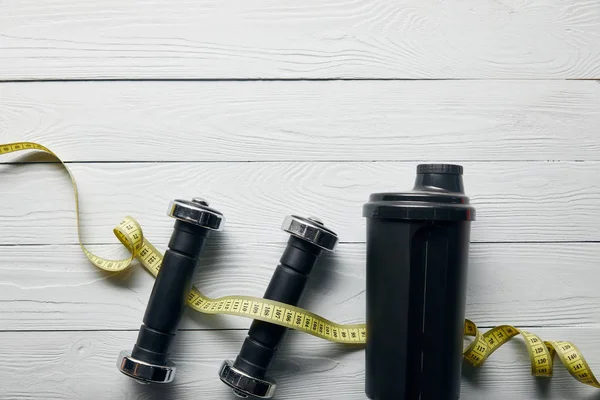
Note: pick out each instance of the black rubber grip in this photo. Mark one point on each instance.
(171, 288)
(286, 286)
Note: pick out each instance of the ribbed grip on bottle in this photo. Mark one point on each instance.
(440, 169)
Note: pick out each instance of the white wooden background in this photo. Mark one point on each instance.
(271, 107)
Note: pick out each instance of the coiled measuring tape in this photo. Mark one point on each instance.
(130, 234)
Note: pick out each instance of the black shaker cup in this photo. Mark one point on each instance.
(417, 257)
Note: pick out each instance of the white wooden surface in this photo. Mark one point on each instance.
(309, 121)
(148, 101)
(233, 39)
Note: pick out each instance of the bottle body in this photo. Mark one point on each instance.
(416, 291)
(417, 262)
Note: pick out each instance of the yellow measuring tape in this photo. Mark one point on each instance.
(130, 234)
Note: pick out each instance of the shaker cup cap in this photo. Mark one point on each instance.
(438, 195)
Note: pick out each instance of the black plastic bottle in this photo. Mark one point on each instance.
(417, 257)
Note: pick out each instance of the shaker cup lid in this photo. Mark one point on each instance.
(438, 195)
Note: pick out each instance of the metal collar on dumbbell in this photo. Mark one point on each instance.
(243, 384)
(196, 212)
(312, 230)
(144, 372)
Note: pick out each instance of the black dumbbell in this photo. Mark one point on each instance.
(149, 360)
(248, 374)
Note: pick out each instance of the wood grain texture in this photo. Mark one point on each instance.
(261, 39)
(56, 288)
(81, 365)
(495, 100)
(515, 201)
(306, 121)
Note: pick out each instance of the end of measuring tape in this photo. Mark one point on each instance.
(130, 234)
(541, 353)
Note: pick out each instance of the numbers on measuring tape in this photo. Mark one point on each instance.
(130, 234)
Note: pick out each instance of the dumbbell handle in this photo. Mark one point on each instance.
(149, 360)
(169, 294)
(287, 285)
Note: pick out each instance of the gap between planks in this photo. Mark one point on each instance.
(482, 328)
(284, 162)
(258, 80)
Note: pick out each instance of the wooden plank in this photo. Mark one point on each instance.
(260, 39)
(515, 201)
(56, 288)
(306, 121)
(81, 365)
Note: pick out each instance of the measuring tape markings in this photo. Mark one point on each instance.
(130, 234)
